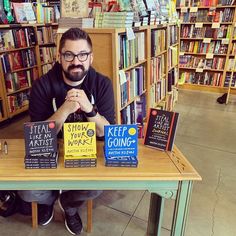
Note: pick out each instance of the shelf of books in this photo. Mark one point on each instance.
(164, 66)
(18, 66)
(230, 79)
(205, 43)
(46, 35)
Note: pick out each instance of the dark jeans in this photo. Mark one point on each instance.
(70, 199)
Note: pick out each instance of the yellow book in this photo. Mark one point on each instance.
(79, 139)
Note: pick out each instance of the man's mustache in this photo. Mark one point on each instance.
(71, 67)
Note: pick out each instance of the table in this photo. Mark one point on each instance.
(166, 175)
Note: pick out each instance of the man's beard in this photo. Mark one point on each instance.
(75, 76)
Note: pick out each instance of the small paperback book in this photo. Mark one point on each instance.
(161, 129)
(40, 144)
(80, 148)
(121, 145)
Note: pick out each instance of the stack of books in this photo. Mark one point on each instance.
(80, 145)
(121, 145)
(68, 22)
(114, 19)
(40, 145)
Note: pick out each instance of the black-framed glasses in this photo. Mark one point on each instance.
(70, 56)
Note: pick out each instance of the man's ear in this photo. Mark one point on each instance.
(91, 58)
(59, 57)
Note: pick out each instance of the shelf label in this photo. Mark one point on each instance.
(199, 70)
(193, 9)
(130, 34)
(206, 40)
(181, 53)
(184, 9)
(225, 41)
(199, 25)
(209, 55)
(215, 25)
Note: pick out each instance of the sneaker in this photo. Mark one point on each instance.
(73, 223)
(45, 214)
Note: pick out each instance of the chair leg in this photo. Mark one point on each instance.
(89, 215)
(34, 215)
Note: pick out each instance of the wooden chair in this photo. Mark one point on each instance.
(89, 215)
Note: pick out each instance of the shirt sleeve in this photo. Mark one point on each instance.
(40, 102)
(105, 100)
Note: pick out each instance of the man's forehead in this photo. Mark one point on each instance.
(76, 45)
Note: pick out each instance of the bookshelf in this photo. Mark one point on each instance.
(205, 43)
(230, 80)
(130, 65)
(20, 64)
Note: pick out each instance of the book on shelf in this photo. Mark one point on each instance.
(79, 144)
(161, 129)
(40, 145)
(24, 12)
(74, 8)
(121, 145)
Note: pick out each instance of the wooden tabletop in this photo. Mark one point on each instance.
(153, 165)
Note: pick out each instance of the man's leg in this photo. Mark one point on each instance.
(70, 201)
(45, 200)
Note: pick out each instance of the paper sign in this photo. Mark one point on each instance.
(225, 41)
(193, 9)
(209, 55)
(184, 9)
(206, 40)
(198, 25)
(130, 34)
(181, 53)
(215, 25)
(122, 77)
(199, 70)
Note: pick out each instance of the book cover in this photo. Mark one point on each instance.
(40, 138)
(23, 12)
(74, 8)
(121, 140)
(79, 139)
(161, 129)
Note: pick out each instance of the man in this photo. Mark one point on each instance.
(72, 91)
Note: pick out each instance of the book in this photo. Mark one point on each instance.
(74, 8)
(161, 129)
(40, 138)
(23, 12)
(121, 140)
(79, 140)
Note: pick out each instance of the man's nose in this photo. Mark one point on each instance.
(77, 61)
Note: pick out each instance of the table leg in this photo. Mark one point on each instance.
(155, 215)
(181, 208)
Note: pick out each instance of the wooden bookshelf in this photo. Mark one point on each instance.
(20, 65)
(205, 44)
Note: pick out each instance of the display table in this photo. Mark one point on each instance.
(164, 174)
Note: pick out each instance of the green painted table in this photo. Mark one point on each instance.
(166, 175)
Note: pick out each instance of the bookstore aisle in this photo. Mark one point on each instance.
(206, 135)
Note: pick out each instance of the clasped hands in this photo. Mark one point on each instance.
(76, 99)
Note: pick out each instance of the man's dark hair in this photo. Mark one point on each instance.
(74, 34)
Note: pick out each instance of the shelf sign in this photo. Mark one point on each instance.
(122, 77)
(130, 34)
(199, 70)
(206, 40)
(215, 25)
(193, 9)
(184, 9)
(209, 55)
(199, 25)
(225, 41)
(181, 53)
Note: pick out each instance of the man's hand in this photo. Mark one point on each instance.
(78, 96)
